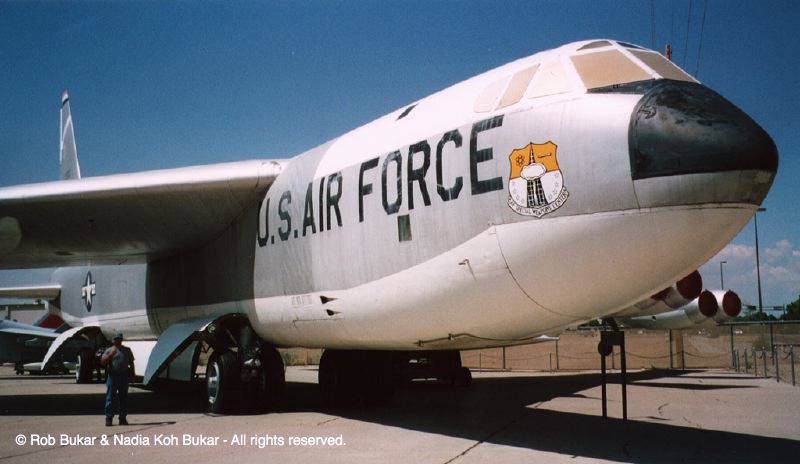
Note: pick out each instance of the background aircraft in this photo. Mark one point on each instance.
(558, 188)
(22, 344)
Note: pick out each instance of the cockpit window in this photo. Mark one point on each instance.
(605, 68)
(627, 45)
(517, 86)
(489, 96)
(550, 80)
(661, 65)
(596, 44)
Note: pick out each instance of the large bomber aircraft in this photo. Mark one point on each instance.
(569, 185)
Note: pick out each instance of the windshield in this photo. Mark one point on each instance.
(611, 66)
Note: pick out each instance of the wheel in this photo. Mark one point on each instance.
(85, 367)
(330, 377)
(275, 384)
(378, 383)
(265, 392)
(350, 378)
(604, 349)
(338, 381)
(221, 382)
(462, 377)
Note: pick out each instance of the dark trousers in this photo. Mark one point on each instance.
(117, 388)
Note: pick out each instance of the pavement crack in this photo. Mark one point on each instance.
(328, 421)
(693, 424)
(492, 434)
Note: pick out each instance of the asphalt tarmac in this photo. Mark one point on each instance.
(504, 417)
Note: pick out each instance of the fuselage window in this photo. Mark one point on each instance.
(487, 99)
(550, 80)
(662, 66)
(606, 68)
(596, 44)
(517, 86)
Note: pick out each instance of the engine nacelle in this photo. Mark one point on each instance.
(673, 297)
(708, 309)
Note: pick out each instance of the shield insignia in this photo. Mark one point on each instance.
(535, 184)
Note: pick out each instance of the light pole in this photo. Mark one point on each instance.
(721, 279)
(758, 265)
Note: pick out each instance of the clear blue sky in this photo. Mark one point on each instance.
(164, 84)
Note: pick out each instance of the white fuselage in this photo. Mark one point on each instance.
(411, 232)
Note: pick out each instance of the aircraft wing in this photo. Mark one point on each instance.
(45, 291)
(127, 217)
(16, 328)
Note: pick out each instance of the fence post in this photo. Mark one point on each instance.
(504, 358)
(732, 361)
(764, 357)
(679, 349)
(777, 357)
(480, 362)
(791, 355)
(746, 364)
(671, 364)
(755, 363)
(558, 365)
(683, 355)
(771, 336)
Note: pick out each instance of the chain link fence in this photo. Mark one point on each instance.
(764, 349)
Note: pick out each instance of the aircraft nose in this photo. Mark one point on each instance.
(682, 128)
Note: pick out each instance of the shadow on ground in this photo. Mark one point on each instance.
(499, 411)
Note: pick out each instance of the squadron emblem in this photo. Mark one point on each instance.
(536, 185)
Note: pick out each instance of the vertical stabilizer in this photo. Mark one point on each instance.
(67, 154)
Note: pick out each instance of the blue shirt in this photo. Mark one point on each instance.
(121, 361)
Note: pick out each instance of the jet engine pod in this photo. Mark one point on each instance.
(731, 303)
(707, 303)
(690, 286)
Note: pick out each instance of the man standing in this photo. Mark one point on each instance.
(118, 361)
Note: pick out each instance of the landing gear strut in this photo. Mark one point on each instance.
(85, 367)
(609, 339)
(243, 374)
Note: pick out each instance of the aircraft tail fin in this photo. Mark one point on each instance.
(50, 320)
(68, 154)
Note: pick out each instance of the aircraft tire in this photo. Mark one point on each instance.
(605, 349)
(265, 393)
(377, 383)
(85, 367)
(275, 384)
(338, 378)
(462, 377)
(352, 378)
(221, 382)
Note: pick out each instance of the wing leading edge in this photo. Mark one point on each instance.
(126, 217)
